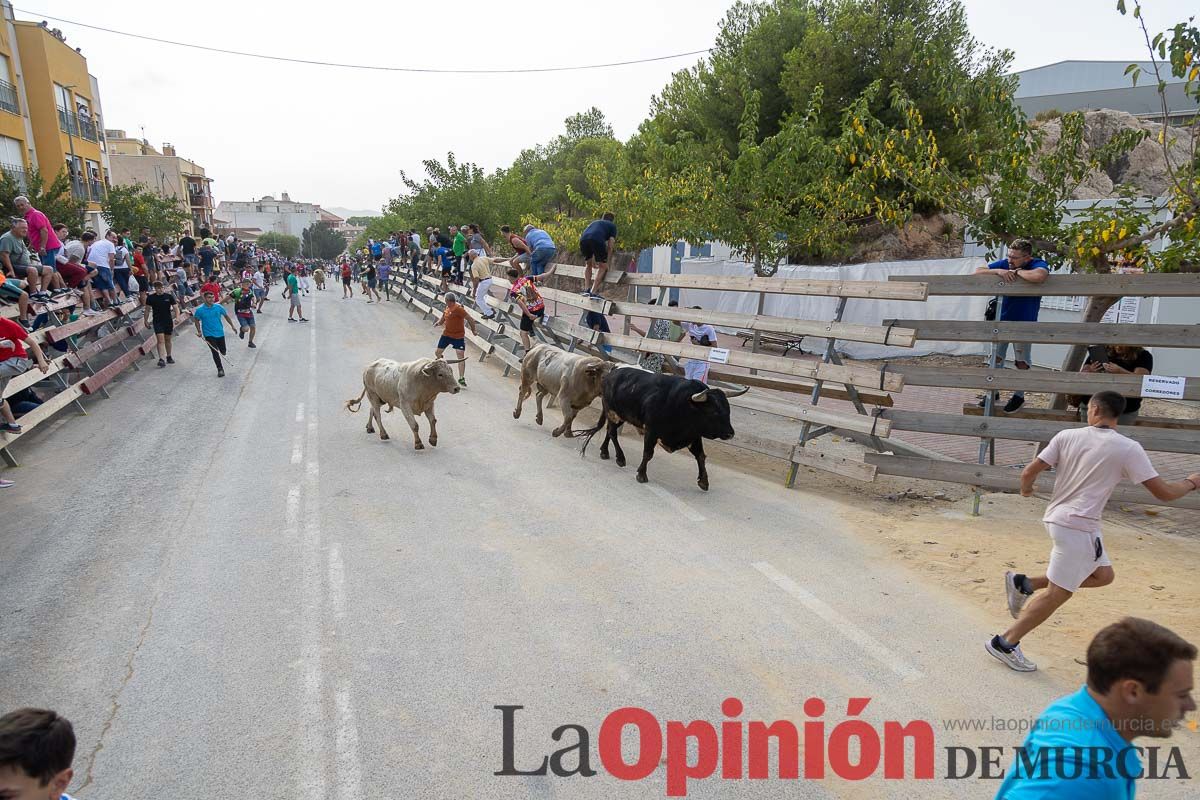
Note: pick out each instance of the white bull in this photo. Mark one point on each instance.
(573, 379)
(411, 386)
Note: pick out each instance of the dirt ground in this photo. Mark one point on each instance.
(928, 526)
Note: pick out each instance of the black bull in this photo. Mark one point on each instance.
(666, 409)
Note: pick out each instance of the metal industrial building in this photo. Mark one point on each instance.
(1083, 85)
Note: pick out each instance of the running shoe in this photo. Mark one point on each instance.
(162, 363)
(1016, 598)
(6, 484)
(291, 320)
(220, 373)
(1014, 660)
(304, 319)
(91, 312)
(58, 292)
(10, 427)
(253, 345)
(241, 333)
(462, 382)
(1014, 403)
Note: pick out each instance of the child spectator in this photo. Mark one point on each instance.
(243, 309)
(37, 747)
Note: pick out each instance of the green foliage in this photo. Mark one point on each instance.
(136, 207)
(1047, 115)
(364, 221)
(55, 200)
(319, 240)
(287, 245)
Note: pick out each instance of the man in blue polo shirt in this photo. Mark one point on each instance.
(1019, 266)
(1139, 683)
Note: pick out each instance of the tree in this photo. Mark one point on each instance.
(360, 220)
(287, 245)
(322, 241)
(1018, 189)
(55, 200)
(136, 207)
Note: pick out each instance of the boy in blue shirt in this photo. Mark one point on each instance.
(1019, 265)
(445, 257)
(1139, 683)
(208, 318)
(37, 747)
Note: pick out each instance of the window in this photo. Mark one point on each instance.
(62, 96)
(8, 92)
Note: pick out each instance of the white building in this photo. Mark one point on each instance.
(270, 215)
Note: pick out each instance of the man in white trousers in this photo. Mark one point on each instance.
(481, 280)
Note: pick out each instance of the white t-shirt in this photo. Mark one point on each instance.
(700, 332)
(259, 280)
(1089, 463)
(100, 251)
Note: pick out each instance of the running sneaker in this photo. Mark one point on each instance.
(1014, 403)
(91, 312)
(6, 484)
(241, 333)
(58, 292)
(220, 373)
(39, 295)
(170, 360)
(1016, 598)
(162, 363)
(1014, 660)
(304, 319)
(10, 427)
(462, 382)
(291, 320)
(252, 345)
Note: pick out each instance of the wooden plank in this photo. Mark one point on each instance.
(1063, 415)
(1032, 380)
(815, 414)
(84, 324)
(878, 290)
(483, 344)
(42, 413)
(77, 359)
(1032, 430)
(801, 387)
(846, 467)
(107, 373)
(1149, 285)
(39, 307)
(944, 330)
(509, 358)
(596, 304)
(1003, 478)
(578, 331)
(35, 376)
(867, 377)
(877, 334)
(613, 276)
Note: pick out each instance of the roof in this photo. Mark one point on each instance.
(1073, 77)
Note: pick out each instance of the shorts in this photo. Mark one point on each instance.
(447, 269)
(527, 323)
(143, 283)
(245, 321)
(11, 289)
(457, 344)
(193, 259)
(73, 275)
(166, 327)
(103, 281)
(295, 301)
(12, 367)
(51, 257)
(695, 370)
(539, 259)
(347, 281)
(259, 293)
(371, 283)
(597, 251)
(1075, 556)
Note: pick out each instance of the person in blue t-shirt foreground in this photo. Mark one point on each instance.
(1139, 683)
(37, 747)
(1019, 266)
(209, 318)
(599, 239)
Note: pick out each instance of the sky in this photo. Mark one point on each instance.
(341, 137)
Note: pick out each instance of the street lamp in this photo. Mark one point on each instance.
(70, 138)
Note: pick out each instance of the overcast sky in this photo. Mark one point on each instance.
(340, 137)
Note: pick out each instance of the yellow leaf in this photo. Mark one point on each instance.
(853, 158)
(1104, 235)
(1095, 251)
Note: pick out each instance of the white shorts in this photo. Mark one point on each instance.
(696, 370)
(1074, 556)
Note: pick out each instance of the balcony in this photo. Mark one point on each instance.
(8, 98)
(18, 174)
(93, 191)
(75, 125)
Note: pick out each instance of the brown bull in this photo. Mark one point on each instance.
(574, 380)
(411, 386)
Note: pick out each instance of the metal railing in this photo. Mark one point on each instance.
(8, 97)
(98, 192)
(74, 125)
(18, 174)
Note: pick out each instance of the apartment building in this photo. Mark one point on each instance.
(135, 161)
(268, 214)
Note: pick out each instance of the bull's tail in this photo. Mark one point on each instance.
(353, 403)
(588, 433)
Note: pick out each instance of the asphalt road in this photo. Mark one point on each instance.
(234, 591)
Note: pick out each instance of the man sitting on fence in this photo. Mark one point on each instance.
(1019, 265)
(1089, 463)
(14, 361)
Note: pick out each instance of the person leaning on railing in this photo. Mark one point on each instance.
(1020, 265)
(1119, 360)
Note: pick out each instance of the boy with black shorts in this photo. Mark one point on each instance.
(162, 316)
(454, 335)
(525, 294)
(597, 241)
(37, 747)
(243, 309)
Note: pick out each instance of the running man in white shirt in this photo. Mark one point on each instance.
(1089, 463)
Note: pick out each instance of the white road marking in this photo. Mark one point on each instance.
(297, 449)
(300, 412)
(845, 627)
(337, 582)
(683, 508)
(292, 514)
(349, 766)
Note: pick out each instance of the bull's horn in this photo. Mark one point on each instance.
(457, 360)
(737, 393)
(700, 397)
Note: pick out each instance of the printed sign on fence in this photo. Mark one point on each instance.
(718, 355)
(1165, 387)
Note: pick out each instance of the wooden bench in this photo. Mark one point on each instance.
(788, 343)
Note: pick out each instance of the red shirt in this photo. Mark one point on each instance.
(215, 288)
(17, 335)
(345, 270)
